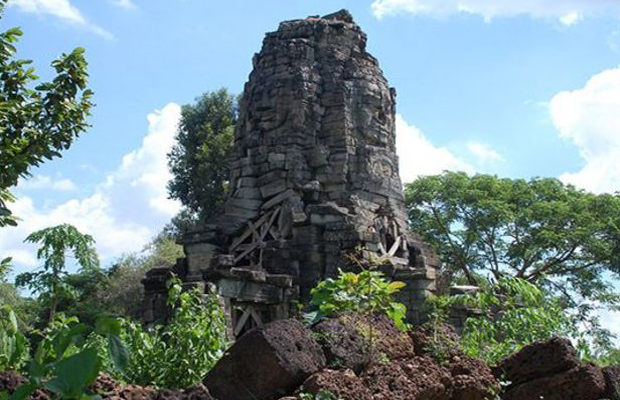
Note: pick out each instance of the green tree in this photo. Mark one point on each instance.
(199, 160)
(37, 120)
(56, 242)
(515, 313)
(564, 239)
(122, 291)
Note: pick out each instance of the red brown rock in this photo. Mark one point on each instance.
(418, 378)
(435, 340)
(266, 363)
(343, 384)
(585, 382)
(612, 382)
(351, 340)
(537, 360)
(472, 379)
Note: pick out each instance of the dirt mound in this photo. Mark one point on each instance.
(417, 378)
(344, 384)
(10, 381)
(471, 379)
(107, 387)
(439, 341)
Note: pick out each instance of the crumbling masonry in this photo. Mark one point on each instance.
(314, 176)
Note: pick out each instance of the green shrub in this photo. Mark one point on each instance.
(62, 363)
(366, 292)
(514, 313)
(180, 353)
(13, 344)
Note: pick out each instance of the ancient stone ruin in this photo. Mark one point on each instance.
(314, 177)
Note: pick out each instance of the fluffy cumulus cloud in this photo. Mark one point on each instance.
(418, 156)
(43, 182)
(568, 12)
(124, 211)
(484, 153)
(589, 118)
(126, 4)
(63, 10)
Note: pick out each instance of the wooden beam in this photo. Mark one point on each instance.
(244, 318)
(395, 247)
(246, 233)
(256, 316)
(381, 249)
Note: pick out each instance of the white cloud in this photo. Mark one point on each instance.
(568, 12)
(418, 156)
(570, 19)
(126, 4)
(124, 211)
(39, 182)
(484, 153)
(589, 118)
(61, 9)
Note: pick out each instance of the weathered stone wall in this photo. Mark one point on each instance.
(314, 176)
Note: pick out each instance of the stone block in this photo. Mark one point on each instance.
(273, 188)
(266, 363)
(538, 359)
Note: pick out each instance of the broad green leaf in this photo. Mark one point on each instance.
(72, 375)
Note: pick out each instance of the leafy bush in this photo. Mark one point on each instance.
(63, 362)
(181, 352)
(366, 292)
(514, 313)
(13, 344)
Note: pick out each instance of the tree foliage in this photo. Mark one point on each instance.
(37, 120)
(56, 242)
(540, 230)
(199, 160)
(515, 313)
(121, 292)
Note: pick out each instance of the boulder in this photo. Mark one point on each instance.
(471, 379)
(612, 382)
(266, 363)
(585, 382)
(537, 360)
(351, 340)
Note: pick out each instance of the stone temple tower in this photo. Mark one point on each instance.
(314, 176)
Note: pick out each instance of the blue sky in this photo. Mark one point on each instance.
(514, 88)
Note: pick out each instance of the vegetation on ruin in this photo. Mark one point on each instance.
(366, 292)
(180, 352)
(509, 314)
